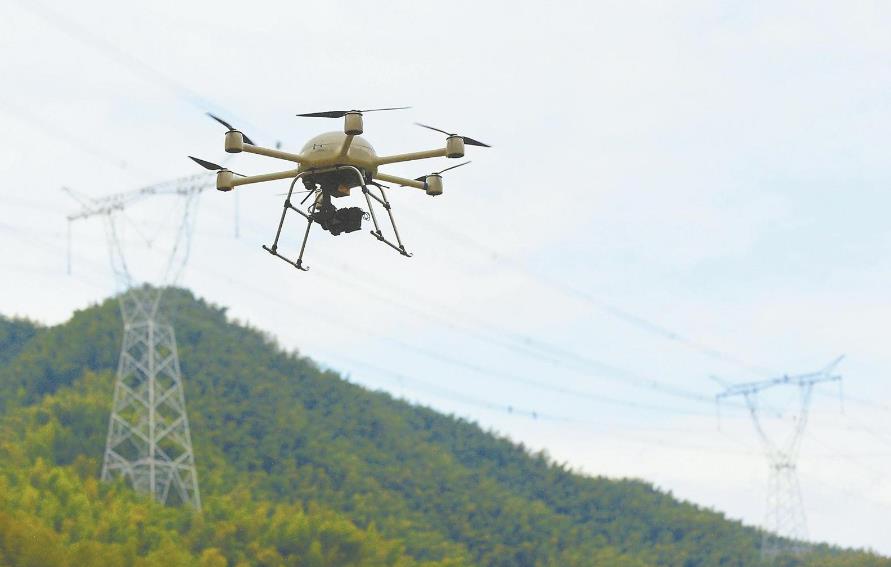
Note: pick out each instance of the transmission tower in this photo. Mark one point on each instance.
(149, 442)
(785, 525)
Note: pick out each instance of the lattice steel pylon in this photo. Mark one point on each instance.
(785, 523)
(149, 441)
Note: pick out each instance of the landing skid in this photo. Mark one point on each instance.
(369, 196)
(399, 247)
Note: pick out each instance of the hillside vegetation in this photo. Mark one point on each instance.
(299, 467)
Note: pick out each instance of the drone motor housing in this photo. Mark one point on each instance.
(433, 183)
(454, 147)
(234, 142)
(352, 123)
(225, 179)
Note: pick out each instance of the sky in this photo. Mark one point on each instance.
(679, 196)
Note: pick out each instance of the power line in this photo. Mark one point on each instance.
(533, 414)
(564, 390)
(613, 373)
(863, 402)
(129, 61)
(868, 430)
(556, 357)
(97, 42)
(847, 492)
(446, 393)
(327, 317)
(153, 74)
(196, 100)
(460, 363)
(607, 307)
(615, 430)
(39, 242)
(852, 459)
(552, 354)
(458, 396)
(74, 141)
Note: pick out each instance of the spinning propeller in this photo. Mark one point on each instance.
(207, 164)
(468, 141)
(424, 177)
(231, 129)
(211, 166)
(342, 113)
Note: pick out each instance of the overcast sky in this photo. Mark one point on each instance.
(675, 191)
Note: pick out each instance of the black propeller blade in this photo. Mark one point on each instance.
(229, 126)
(467, 140)
(221, 121)
(206, 164)
(342, 113)
(211, 165)
(423, 177)
(452, 167)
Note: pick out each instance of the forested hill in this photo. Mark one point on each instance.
(299, 467)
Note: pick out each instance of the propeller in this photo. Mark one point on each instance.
(207, 164)
(468, 141)
(424, 177)
(211, 166)
(342, 113)
(231, 129)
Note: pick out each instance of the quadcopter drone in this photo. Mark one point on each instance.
(329, 166)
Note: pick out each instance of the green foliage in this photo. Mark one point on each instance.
(14, 335)
(299, 467)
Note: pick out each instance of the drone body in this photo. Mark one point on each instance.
(330, 165)
(325, 149)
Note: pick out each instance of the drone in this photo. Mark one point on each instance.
(330, 165)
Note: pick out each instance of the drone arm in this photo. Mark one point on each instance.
(264, 177)
(346, 145)
(259, 150)
(401, 181)
(383, 160)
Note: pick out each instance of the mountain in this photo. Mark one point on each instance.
(300, 467)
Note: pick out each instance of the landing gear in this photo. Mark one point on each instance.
(330, 218)
(377, 229)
